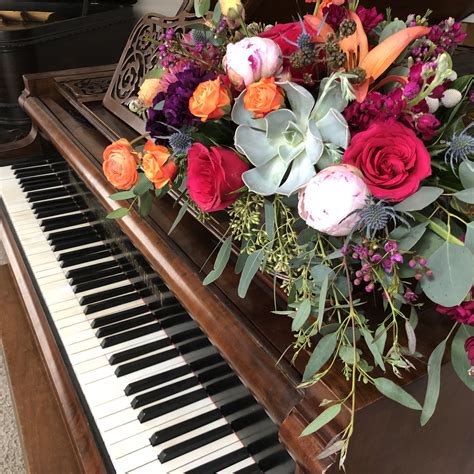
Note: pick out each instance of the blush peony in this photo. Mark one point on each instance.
(392, 159)
(213, 176)
(251, 59)
(329, 201)
(120, 164)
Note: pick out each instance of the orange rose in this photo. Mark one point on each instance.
(263, 97)
(120, 164)
(210, 100)
(155, 165)
(148, 91)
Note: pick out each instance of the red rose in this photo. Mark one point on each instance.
(213, 175)
(392, 159)
(285, 35)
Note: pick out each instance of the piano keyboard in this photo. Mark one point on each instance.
(161, 397)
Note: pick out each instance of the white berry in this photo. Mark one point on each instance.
(451, 98)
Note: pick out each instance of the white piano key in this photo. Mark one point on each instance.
(237, 467)
(138, 458)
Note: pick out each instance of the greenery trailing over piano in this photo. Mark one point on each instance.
(335, 153)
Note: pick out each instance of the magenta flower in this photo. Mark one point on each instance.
(462, 313)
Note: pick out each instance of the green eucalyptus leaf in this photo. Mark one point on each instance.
(392, 28)
(201, 7)
(434, 382)
(222, 259)
(322, 419)
(469, 239)
(411, 336)
(467, 195)
(242, 258)
(154, 73)
(269, 219)
(216, 14)
(252, 264)
(321, 272)
(321, 354)
(322, 300)
(118, 213)
(380, 338)
(413, 318)
(122, 195)
(466, 174)
(180, 215)
(421, 199)
(459, 360)
(452, 268)
(413, 236)
(369, 340)
(349, 355)
(306, 236)
(428, 245)
(395, 392)
(143, 185)
(159, 193)
(301, 316)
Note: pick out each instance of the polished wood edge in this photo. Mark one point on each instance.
(15, 146)
(215, 318)
(79, 430)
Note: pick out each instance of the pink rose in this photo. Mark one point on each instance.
(392, 159)
(252, 59)
(213, 176)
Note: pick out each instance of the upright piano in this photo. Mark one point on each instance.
(155, 372)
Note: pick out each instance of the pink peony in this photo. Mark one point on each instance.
(329, 201)
(252, 59)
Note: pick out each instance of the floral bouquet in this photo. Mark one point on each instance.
(340, 150)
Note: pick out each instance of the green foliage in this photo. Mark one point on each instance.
(322, 419)
(467, 195)
(180, 215)
(459, 360)
(321, 354)
(221, 262)
(395, 392)
(201, 7)
(118, 213)
(421, 199)
(122, 195)
(301, 316)
(466, 174)
(252, 264)
(144, 204)
(143, 185)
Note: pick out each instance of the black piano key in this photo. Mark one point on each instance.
(123, 356)
(194, 443)
(53, 223)
(144, 362)
(125, 325)
(29, 164)
(106, 280)
(38, 179)
(164, 392)
(223, 385)
(53, 182)
(168, 310)
(40, 170)
(85, 258)
(74, 233)
(252, 469)
(89, 269)
(221, 463)
(175, 320)
(238, 405)
(129, 335)
(184, 336)
(158, 379)
(194, 345)
(35, 196)
(100, 274)
(72, 254)
(106, 294)
(120, 316)
(214, 373)
(55, 211)
(174, 404)
(280, 458)
(68, 243)
(160, 437)
(110, 303)
(248, 420)
(60, 202)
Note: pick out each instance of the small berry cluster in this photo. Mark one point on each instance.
(419, 264)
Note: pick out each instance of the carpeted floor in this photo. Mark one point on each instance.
(11, 453)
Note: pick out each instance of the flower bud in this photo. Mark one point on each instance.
(451, 98)
(433, 104)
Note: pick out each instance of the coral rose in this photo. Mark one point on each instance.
(210, 100)
(213, 176)
(120, 164)
(250, 59)
(263, 97)
(148, 91)
(329, 201)
(156, 166)
(392, 159)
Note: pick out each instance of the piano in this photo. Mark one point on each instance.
(154, 372)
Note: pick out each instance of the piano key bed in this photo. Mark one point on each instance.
(159, 395)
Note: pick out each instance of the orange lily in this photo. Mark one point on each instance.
(376, 61)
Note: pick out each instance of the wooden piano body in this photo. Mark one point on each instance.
(66, 108)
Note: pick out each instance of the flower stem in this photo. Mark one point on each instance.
(437, 229)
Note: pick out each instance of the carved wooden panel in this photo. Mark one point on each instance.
(139, 57)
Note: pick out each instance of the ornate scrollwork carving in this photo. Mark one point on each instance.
(139, 57)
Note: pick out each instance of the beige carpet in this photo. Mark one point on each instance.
(11, 453)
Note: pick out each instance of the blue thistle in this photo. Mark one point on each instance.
(199, 36)
(180, 142)
(304, 41)
(376, 215)
(460, 148)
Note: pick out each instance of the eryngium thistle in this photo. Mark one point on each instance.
(375, 217)
(304, 41)
(347, 28)
(460, 148)
(199, 36)
(180, 143)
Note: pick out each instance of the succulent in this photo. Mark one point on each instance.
(286, 144)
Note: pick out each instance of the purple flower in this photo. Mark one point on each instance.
(387, 265)
(462, 313)
(335, 15)
(410, 297)
(390, 246)
(175, 111)
(427, 125)
(396, 257)
(369, 17)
